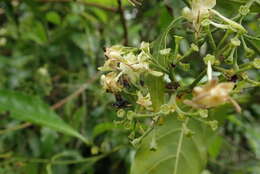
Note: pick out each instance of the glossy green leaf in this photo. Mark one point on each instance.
(156, 85)
(191, 157)
(53, 17)
(32, 109)
(156, 89)
(103, 127)
(215, 146)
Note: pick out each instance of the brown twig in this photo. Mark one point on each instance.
(56, 105)
(22, 126)
(123, 21)
(110, 9)
(76, 93)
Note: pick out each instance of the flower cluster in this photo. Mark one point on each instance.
(212, 95)
(200, 13)
(130, 62)
(152, 78)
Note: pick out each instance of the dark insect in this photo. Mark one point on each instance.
(125, 81)
(173, 85)
(234, 78)
(120, 102)
(173, 65)
(141, 82)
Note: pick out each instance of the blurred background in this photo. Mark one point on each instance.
(52, 49)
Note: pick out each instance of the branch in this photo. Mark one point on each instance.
(123, 21)
(57, 105)
(75, 94)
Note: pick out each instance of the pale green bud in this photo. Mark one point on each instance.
(213, 124)
(249, 52)
(121, 113)
(165, 109)
(130, 115)
(235, 42)
(203, 113)
(244, 10)
(256, 63)
(187, 13)
(194, 47)
(145, 46)
(153, 144)
(94, 150)
(165, 51)
(209, 58)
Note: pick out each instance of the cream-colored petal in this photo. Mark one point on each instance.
(208, 4)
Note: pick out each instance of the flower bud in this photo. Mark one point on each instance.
(203, 113)
(145, 46)
(130, 115)
(153, 144)
(194, 47)
(165, 51)
(166, 109)
(121, 113)
(235, 42)
(94, 150)
(244, 10)
(186, 12)
(213, 124)
(249, 52)
(209, 58)
(256, 63)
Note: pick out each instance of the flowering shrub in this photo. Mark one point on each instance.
(148, 81)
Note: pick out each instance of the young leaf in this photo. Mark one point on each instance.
(176, 153)
(156, 85)
(33, 110)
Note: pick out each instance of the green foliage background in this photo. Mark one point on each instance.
(52, 51)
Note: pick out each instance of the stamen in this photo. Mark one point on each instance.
(209, 71)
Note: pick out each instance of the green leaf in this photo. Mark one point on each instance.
(103, 127)
(32, 109)
(176, 153)
(156, 89)
(215, 146)
(156, 85)
(53, 17)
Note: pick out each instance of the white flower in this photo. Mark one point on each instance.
(114, 52)
(144, 101)
(110, 82)
(212, 94)
(199, 10)
(124, 61)
(133, 66)
(109, 65)
(114, 55)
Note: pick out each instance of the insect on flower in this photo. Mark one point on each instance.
(110, 82)
(120, 102)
